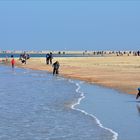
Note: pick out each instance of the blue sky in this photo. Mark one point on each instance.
(69, 25)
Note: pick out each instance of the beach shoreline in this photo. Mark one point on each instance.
(76, 105)
(34, 92)
(119, 73)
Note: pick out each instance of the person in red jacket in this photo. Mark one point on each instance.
(12, 61)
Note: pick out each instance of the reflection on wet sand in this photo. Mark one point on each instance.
(138, 108)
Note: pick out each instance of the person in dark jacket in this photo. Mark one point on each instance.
(47, 58)
(50, 57)
(138, 94)
(56, 66)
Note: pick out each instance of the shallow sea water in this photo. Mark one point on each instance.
(118, 111)
(35, 105)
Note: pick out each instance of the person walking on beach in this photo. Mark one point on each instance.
(12, 61)
(56, 66)
(47, 58)
(138, 94)
(50, 57)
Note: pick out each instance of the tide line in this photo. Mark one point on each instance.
(115, 134)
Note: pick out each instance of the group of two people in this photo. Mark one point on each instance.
(24, 57)
(49, 58)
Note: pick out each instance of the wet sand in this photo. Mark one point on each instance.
(120, 73)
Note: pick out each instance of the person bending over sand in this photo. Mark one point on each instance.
(138, 94)
(56, 67)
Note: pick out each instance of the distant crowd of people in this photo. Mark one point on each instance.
(134, 53)
(117, 53)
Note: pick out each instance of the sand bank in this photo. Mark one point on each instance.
(120, 73)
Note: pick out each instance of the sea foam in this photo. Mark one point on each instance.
(115, 134)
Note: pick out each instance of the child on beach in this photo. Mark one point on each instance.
(138, 94)
(12, 61)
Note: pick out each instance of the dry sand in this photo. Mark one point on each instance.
(120, 73)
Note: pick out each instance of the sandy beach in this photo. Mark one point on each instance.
(120, 73)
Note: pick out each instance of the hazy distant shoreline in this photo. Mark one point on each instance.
(70, 53)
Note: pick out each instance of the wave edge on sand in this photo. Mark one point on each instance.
(115, 134)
